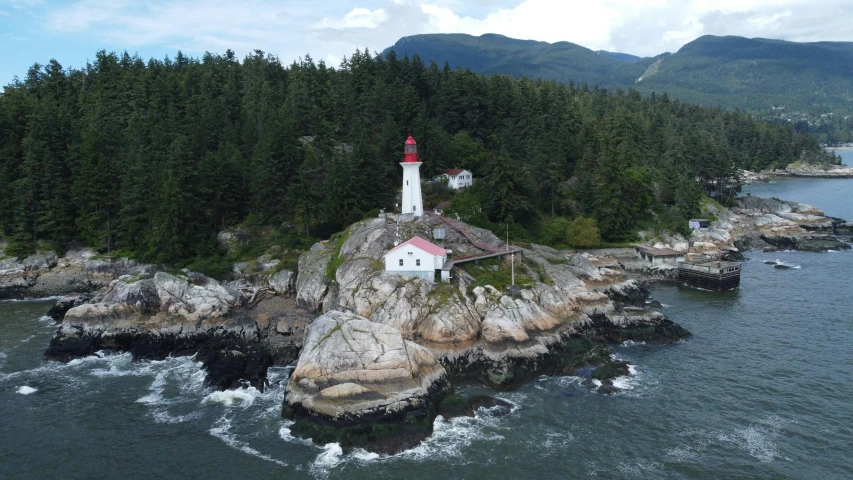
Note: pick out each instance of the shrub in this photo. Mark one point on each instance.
(583, 233)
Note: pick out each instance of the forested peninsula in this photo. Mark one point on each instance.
(150, 160)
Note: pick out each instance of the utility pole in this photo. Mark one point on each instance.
(512, 256)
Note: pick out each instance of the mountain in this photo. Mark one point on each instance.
(491, 53)
(758, 73)
(769, 77)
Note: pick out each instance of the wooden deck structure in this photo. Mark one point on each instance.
(490, 251)
(710, 275)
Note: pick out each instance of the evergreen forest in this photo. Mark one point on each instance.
(151, 159)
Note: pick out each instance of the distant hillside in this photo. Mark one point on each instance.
(759, 73)
(490, 53)
(801, 80)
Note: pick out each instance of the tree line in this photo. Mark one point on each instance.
(154, 158)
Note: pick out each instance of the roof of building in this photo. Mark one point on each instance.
(422, 244)
(659, 252)
(454, 171)
(442, 205)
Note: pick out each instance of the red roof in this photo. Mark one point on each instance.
(422, 244)
(453, 172)
(410, 141)
(442, 204)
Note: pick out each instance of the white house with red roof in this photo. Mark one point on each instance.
(459, 178)
(416, 257)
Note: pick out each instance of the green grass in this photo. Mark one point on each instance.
(443, 292)
(538, 270)
(337, 241)
(484, 274)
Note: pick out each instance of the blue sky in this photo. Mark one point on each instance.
(71, 31)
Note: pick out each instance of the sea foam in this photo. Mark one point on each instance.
(329, 458)
(222, 430)
(230, 398)
(25, 390)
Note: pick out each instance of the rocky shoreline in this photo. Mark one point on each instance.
(797, 170)
(375, 354)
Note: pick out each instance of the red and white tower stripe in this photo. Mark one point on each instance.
(412, 199)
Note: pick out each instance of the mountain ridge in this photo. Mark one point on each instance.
(789, 81)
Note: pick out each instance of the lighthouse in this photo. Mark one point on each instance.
(412, 200)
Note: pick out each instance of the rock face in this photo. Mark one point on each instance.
(311, 287)
(283, 282)
(360, 383)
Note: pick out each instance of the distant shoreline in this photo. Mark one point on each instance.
(840, 148)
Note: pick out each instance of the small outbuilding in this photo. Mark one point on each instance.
(439, 209)
(659, 256)
(700, 224)
(416, 257)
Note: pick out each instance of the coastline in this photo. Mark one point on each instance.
(575, 307)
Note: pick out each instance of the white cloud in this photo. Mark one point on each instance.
(335, 28)
(357, 18)
(651, 27)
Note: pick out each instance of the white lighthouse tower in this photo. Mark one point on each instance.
(412, 200)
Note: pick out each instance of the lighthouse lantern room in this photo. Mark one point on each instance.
(412, 200)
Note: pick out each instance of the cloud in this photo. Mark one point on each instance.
(335, 28)
(357, 18)
(650, 27)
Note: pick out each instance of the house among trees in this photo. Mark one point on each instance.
(457, 179)
(416, 257)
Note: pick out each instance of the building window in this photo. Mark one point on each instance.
(418, 262)
(407, 182)
(401, 262)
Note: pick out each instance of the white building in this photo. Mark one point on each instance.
(413, 202)
(459, 178)
(416, 257)
(659, 256)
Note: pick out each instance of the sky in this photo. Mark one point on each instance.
(71, 31)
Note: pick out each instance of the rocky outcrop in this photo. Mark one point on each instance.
(500, 338)
(45, 274)
(311, 283)
(765, 223)
(67, 302)
(283, 282)
(155, 316)
(361, 384)
(819, 171)
(806, 243)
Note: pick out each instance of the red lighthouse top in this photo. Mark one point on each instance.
(411, 151)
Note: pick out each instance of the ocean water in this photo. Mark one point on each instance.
(761, 391)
